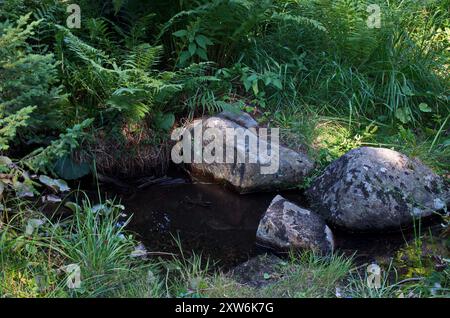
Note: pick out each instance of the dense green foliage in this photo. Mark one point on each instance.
(154, 62)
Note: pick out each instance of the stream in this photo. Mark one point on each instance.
(217, 223)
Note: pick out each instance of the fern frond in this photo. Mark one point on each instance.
(285, 17)
(143, 57)
(85, 52)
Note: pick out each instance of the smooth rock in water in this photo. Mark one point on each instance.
(259, 271)
(265, 171)
(286, 226)
(372, 189)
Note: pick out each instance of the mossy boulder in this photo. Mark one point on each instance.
(373, 189)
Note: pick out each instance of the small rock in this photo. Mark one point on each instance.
(286, 226)
(373, 189)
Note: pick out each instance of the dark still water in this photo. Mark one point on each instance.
(220, 224)
(207, 218)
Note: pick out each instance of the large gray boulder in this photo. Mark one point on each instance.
(287, 226)
(278, 169)
(373, 189)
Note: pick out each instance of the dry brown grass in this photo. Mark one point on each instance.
(137, 150)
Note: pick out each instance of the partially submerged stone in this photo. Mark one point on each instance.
(271, 167)
(287, 226)
(373, 189)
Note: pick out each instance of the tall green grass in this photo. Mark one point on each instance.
(33, 265)
(393, 74)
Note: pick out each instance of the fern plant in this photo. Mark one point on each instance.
(127, 87)
(109, 85)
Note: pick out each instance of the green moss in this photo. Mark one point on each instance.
(420, 258)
